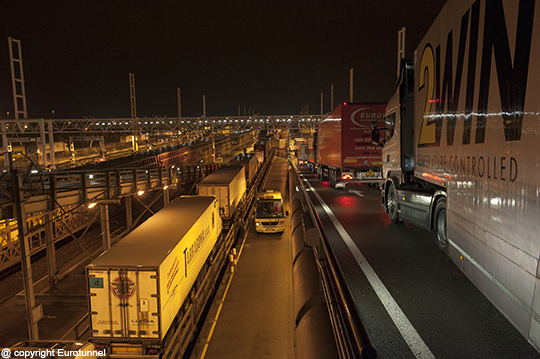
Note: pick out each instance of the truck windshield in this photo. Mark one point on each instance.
(269, 208)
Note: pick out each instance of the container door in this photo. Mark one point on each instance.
(123, 303)
(223, 199)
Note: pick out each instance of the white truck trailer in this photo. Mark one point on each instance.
(138, 289)
(250, 162)
(461, 153)
(228, 184)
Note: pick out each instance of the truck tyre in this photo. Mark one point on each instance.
(440, 224)
(391, 204)
(332, 178)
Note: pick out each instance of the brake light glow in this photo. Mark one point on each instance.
(346, 177)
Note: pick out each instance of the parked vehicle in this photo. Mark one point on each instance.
(228, 184)
(269, 213)
(461, 149)
(250, 162)
(140, 289)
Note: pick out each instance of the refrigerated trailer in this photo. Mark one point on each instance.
(345, 152)
(250, 162)
(139, 290)
(228, 184)
(461, 153)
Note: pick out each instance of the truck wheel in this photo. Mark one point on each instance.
(440, 224)
(391, 204)
(332, 178)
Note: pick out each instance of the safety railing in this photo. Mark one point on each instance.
(351, 337)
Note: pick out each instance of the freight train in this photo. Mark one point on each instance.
(188, 153)
(148, 292)
(138, 297)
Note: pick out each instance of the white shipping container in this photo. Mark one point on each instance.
(250, 162)
(228, 184)
(137, 287)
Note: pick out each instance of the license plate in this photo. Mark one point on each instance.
(370, 173)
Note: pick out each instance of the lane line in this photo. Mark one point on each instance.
(409, 333)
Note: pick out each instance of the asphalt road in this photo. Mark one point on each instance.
(414, 301)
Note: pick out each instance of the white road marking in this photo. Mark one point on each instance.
(356, 192)
(409, 333)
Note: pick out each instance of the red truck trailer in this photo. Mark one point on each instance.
(345, 152)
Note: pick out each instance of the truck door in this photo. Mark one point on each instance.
(124, 303)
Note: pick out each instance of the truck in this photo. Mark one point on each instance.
(345, 152)
(461, 149)
(140, 289)
(303, 154)
(228, 184)
(250, 162)
(269, 212)
(263, 146)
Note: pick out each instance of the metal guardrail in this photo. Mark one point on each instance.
(352, 339)
(77, 187)
(64, 194)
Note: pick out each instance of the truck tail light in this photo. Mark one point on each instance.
(346, 177)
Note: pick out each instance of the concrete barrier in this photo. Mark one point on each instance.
(314, 337)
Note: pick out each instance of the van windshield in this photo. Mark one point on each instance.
(269, 208)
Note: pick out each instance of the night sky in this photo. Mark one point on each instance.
(272, 57)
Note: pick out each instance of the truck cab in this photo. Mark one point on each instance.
(405, 197)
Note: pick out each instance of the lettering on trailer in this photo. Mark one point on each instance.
(191, 252)
(496, 168)
(365, 115)
(171, 274)
(512, 77)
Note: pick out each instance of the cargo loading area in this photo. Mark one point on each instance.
(252, 313)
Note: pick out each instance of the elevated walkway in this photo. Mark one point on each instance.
(252, 314)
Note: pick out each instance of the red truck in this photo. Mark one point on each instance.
(345, 152)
